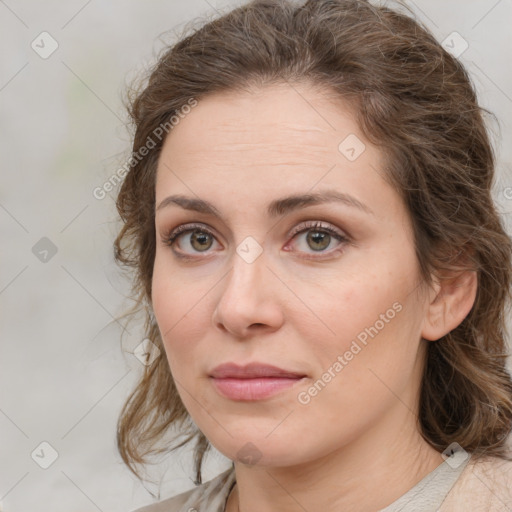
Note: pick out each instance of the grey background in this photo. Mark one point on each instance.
(65, 371)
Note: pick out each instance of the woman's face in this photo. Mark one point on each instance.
(338, 303)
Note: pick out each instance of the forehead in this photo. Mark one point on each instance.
(276, 124)
(297, 109)
(266, 142)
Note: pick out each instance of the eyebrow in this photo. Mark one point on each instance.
(276, 208)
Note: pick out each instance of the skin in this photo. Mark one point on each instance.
(356, 444)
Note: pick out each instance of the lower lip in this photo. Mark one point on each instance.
(253, 389)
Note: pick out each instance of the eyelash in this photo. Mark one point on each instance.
(170, 237)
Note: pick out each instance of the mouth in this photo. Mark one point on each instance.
(253, 389)
(254, 381)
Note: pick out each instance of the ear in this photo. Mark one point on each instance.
(451, 301)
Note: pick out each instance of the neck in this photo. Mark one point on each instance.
(368, 475)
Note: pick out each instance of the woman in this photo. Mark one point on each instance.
(321, 264)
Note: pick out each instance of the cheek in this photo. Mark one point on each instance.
(360, 330)
(359, 381)
(337, 308)
(178, 312)
(172, 295)
(373, 354)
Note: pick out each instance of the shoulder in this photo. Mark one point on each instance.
(208, 497)
(484, 485)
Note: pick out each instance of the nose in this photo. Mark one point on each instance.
(249, 302)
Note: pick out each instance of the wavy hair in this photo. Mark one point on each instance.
(417, 103)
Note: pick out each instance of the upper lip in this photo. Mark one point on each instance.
(252, 370)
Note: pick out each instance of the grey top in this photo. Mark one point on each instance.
(426, 496)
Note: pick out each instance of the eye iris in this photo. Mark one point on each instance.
(318, 237)
(202, 239)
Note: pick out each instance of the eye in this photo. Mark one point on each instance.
(318, 237)
(199, 238)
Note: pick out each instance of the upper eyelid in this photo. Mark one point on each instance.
(305, 225)
(301, 226)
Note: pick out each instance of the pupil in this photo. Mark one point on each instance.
(317, 237)
(202, 239)
(317, 240)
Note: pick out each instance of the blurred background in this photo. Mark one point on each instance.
(65, 369)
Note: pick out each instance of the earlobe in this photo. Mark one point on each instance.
(450, 305)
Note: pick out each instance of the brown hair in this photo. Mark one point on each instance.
(417, 103)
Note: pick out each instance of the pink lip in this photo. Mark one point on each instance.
(253, 381)
(253, 389)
